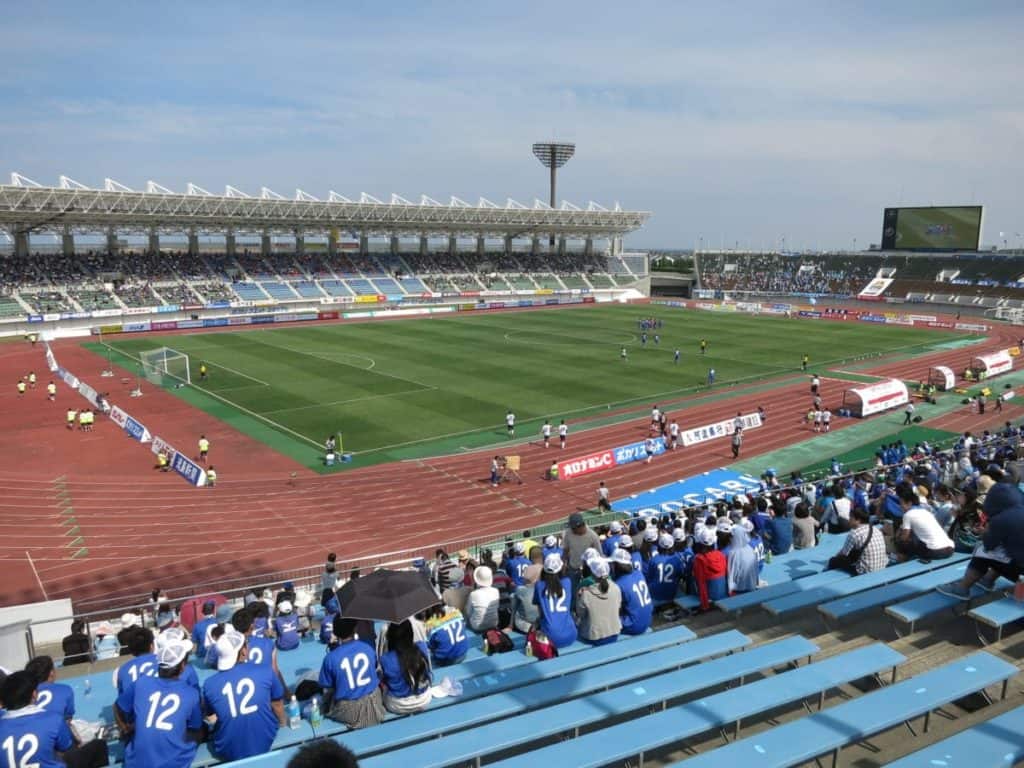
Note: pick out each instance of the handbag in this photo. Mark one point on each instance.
(846, 562)
(539, 646)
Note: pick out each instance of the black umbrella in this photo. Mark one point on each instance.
(387, 596)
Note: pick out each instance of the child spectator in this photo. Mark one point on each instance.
(709, 570)
(446, 635)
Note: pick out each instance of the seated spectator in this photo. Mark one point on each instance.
(76, 647)
(258, 650)
(52, 696)
(143, 661)
(349, 673)
(287, 592)
(517, 564)
(261, 619)
(173, 635)
(458, 593)
(835, 510)
(709, 569)
(201, 627)
(553, 596)
(864, 548)
(405, 671)
(482, 603)
(805, 527)
(523, 613)
(779, 532)
(664, 571)
(598, 606)
(742, 571)
(105, 645)
(37, 735)
(920, 535)
(166, 616)
(128, 623)
(446, 635)
(636, 605)
(286, 627)
(331, 609)
(323, 753)
(1002, 546)
(245, 698)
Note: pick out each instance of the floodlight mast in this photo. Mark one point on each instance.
(553, 155)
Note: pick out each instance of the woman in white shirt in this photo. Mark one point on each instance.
(482, 604)
(920, 534)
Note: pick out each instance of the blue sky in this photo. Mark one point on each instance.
(735, 122)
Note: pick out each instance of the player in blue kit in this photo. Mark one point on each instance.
(350, 672)
(33, 736)
(518, 564)
(553, 596)
(664, 571)
(247, 700)
(637, 606)
(161, 714)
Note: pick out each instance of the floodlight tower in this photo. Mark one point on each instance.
(553, 155)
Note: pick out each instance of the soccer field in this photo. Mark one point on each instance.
(439, 384)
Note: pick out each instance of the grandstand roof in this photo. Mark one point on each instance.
(25, 204)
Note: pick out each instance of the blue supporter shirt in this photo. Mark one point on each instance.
(57, 698)
(287, 630)
(637, 605)
(199, 633)
(555, 617)
(447, 638)
(30, 736)
(327, 628)
(163, 710)
(241, 698)
(260, 650)
(396, 683)
(130, 672)
(552, 551)
(517, 569)
(262, 624)
(351, 670)
(780, 530)
(663, 574)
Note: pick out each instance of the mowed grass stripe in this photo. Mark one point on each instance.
(395, 383)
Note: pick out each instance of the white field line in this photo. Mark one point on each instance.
(353, 400)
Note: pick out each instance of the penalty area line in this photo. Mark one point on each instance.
(353, 400)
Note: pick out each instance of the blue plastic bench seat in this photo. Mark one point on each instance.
(853, 584)
(998, 614)
(829, 731)
(996, 743)
(622, 741)
(912, 611)
(544, 713)
(873, 598)
(760, 596)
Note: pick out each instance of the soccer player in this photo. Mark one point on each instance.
(703, 346)
(817, 420)
(737, 442)
(202, 371)
(655, 415)
(21, 386)
(31, 379)
(545, 433)
(673, 434)
(247, 700)
(815, 383)
(349, 672)
(763, 414)
(211, 477)
(657, 339)
(204, 448)
(510, 424)
(643, 339)
(51, 392)
(161, 714)
(711, 376)
(649, 449)
(826, 420)
(623, 355)
(72, 415)
(804, 362)
(737, 423)
(602, 498)
(676, 357)
(563, 433)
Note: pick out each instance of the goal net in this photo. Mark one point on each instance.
(166, 366)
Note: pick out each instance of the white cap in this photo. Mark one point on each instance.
(724, 525)
(665, 541)
(679, 534)
(483, 576)
(519, 548)
(747, 524)
(228, 646)
(707, 537)
(600, 568)
(173, 652)
(651, 534)
(550, 541)
(553, 563)
(621, 556)
(285, 606)
(615, 527)
(588, 554)
(625, 542)
(170, 635)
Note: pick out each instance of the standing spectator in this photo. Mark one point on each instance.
(553, 596)
(329, 578)
(598, 606)
(482, 603)
(737, 442)
(349, 673)
(76, 645)
(161, 714)
(576, 539)
(405, 671)
(247, 700)
(864, 548)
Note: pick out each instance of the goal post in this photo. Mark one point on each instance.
(166, 366)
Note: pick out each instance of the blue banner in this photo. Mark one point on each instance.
(168, 308)
(214, 322)
(627, 454)
(218, 304)
(188, 469)
(136, 431)
(689, 492)
(35, 318)
(135, 327)
(262, 319)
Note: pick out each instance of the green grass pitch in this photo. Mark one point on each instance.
(412, 387)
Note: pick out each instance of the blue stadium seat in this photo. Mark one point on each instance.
(996, 742)
(912, 611)
(718, 711)
(998, 614)
(829, 731)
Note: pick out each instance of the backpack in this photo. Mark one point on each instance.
(496, 641)
(539, 646)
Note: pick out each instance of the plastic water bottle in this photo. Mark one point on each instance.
(294, 713)
(88, 686)
(316, 717)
